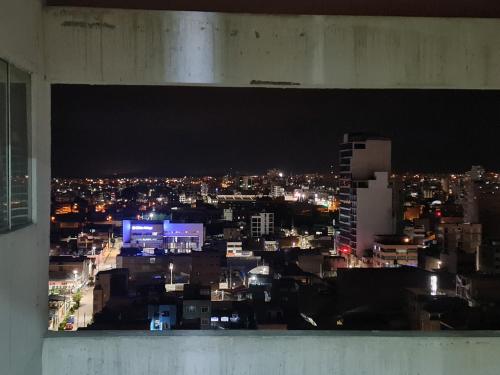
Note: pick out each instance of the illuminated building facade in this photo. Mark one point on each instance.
(262, 224)
(365, 192)
(394, 251)
(174, 237)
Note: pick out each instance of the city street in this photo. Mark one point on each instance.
(83, 316)
(109, 255)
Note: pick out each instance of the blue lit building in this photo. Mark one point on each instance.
(172, 237)
(162, 317)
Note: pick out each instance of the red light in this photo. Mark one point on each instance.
(438, 214)
(345, 250)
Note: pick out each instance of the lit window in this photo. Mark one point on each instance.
(15, 169)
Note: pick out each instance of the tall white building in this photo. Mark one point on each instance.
(365, 193)
(204, 189)
(227, 214)
(472, 194)
(246, 182)
(262, 224)
(278, 191)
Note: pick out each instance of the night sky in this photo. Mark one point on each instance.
(177, 131)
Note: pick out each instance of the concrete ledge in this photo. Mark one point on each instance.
(257, 352)
(113, 46)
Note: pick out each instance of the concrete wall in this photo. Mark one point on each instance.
(167, 47)
(24, 253)
(290, 353)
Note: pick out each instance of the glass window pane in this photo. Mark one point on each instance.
(19, 86)
(4, 222)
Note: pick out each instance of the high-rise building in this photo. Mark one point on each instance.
(459, 243)
(278, 191)
(459, 236)
(204, 189)
(473, 182)
(262, 224)
(481, 203)
(488, 257)
(365, 193)
(227, 214)
(246, 182)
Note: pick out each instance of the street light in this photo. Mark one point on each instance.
(171, 267)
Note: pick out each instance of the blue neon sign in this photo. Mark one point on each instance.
(142, 227)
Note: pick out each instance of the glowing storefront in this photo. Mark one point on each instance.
(174, 237)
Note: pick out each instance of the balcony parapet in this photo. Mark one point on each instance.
(271, 352)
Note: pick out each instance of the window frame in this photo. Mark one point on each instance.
(4, 133)
(29, 147)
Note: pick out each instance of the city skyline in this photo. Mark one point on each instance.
(190, 131)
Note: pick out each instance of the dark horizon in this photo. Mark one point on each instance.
(137, 131)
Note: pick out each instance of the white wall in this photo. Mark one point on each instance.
(162, 47)
(375, 157)
(24, 253)
(290, 353)
(374, 211)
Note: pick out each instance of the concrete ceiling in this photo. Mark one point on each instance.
(409, 8)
